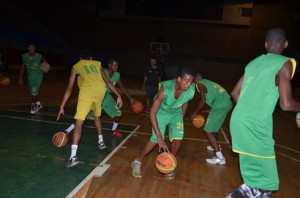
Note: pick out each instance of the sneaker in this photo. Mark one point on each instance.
(72, 162)
(248, 191)
(101, 145)
(32, 110)
(117, 133)
(210, 148)
(216, 160)
(136, 169)
(170, 175)
(38, 107)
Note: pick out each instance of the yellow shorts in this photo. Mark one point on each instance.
(84, 107)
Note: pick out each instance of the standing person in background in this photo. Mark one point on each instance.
(32, 62)
(151, 81)
(91, 92)
(266, 78)
(217, 98)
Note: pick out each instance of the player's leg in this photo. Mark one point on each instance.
(34, 82)
(96, 110)
(136, 165)
(109, 105)
(83, 107)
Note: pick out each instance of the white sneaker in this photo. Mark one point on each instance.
(32, 109)
(101, 145)
(72, 162)
(210, 148)
(38, 107)
(216, 160)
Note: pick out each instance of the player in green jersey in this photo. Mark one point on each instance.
(168, 110)
(32, 62)
(217, 98)
(266, 78)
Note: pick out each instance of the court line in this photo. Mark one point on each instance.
(288, 157)
(287, 148)
(224, 135)
(99, 170)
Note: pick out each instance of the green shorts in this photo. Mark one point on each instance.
(174, 123)
(34, 83)
(259, 172)
(109, 105)
(217, 116)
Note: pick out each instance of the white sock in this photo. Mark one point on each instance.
(219, 155)
(100, 138)
(38, 103)
(70, 128)
(73, 150)
(115, 125)
(137, 162)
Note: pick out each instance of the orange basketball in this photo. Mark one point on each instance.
(5, 81)
(166, 162)
(137, 107)
(198, 121)
(60, 139)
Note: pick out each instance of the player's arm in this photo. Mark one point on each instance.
(112, 87)
(235, 93)
(202, 91)
(22, 69)
(144, 83)
(154, 109)
(287, 103)
(67, 94)
(184, 108)
(124, 90)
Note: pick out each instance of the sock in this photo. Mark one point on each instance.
(137, 162)
(115, 125)
(70, 128)
(100, 138)
(38, 103)
(74, 148)
(219, 155)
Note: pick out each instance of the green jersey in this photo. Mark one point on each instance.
(170, 104)
(215, 93)
(251, 124)
(33, 66)
(114, 79)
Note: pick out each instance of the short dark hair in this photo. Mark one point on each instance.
(86, 54)
(111, 60)
(276, 35)
(185, 71)
(199, 74)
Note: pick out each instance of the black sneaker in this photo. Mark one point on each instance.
(32, 110)
(101, 145)
(38, 107)
(72, 162)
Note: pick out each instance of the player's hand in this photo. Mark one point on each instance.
(193, 115)
(132, 100)
(162, 146)
(61, 112)
(21, 81)
(119, 102)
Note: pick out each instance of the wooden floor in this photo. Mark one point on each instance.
(194, 177)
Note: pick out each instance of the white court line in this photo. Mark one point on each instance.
(224, 135)
(100, 170)
(287, 148)
(288, 157)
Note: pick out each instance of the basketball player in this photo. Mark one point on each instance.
(91, 93)
(32, 62)
(217, 98)
(266, 78)
(168, 109)
(109, 103)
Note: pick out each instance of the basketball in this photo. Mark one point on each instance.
(198, 121)
(298, 119)
(60, 139)
(166, 162)
(45, 67)
(5, 81)
(137, 107)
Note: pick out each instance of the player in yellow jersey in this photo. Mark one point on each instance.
(91, 93)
